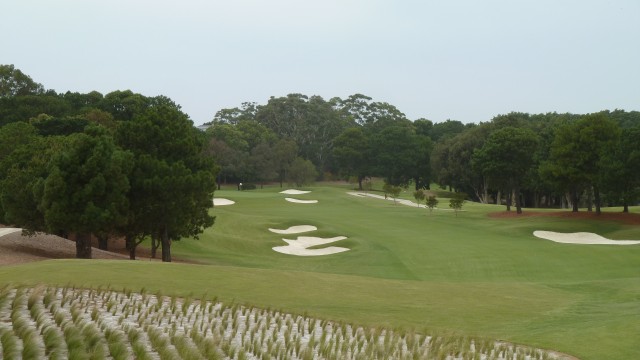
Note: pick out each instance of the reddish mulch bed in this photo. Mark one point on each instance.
(626, 218)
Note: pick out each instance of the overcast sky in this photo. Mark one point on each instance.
(467, 60)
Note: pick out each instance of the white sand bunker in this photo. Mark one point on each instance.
(585, 238)
(301, 201)
(297, 229)
(294, 192)
(222, 202)
(389, 198)
(7, 231)
(301, 245)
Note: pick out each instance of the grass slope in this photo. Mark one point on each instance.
(407, 268)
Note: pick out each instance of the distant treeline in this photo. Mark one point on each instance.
(551, 160)
(123, 164)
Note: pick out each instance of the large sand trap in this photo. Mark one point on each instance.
(295, 229)
(294, 192)
(7, 231)
(585, 238)
(301, 201)
(222, 202)
(301, 245)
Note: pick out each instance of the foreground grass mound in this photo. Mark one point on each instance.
(73, 323)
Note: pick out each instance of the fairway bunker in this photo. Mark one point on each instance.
(7, 231)
(389, 198)
(222, 202)
(297, 229)
(584, 238)
(294, 192)
(301, 245)
(298, 201)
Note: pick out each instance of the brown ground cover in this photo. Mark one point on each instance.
(18, 249)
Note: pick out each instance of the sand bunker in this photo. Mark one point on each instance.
(301, 201)
(7, 231)
(295, 229)
(389, 198)
(294, 192)
(585, 238)
(222, 202)
(301, 245)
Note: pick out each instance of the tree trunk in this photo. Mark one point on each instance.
(166, 246)
(516, 193)
(574, 199)
(509, 201)
(625, 206)
(155, 243)
(83, 245)
(499, 198)
(131, 246)
(360, 183)
(103, 242)
(596, 195)
(589, 200)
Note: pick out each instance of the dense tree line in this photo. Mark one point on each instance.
(128, 165)
(516, 159)
(121, 164)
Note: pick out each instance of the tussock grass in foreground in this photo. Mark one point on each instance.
(102, 324)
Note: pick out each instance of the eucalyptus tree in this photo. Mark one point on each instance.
(14, 82)
(352, 153)
(575, 153)
(620, 165)
(394, 147)
(311, 122)
(505, 158)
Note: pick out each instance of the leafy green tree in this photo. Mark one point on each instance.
(574, 162)
(446, 129)
(620, 165)
(172, 182)
(506, 158)
(262, 158)
(351, 152)
(391, 190)
(301, 172)
(23, 108)
(456, 202)
(86, 190)
(394, 150)
(24, 165)
(311, 122)
(453, 162)
(284, 153)
(432, 202)
(14, 82)
(419, 196)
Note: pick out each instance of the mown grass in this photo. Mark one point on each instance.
(408, 268)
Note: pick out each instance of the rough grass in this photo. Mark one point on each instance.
(470, 274)
(171, 328)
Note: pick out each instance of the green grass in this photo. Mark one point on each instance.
(407, 268)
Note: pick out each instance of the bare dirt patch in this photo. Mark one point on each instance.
(18, 249)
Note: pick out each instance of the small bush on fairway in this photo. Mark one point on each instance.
(457, 201)
(432, 202)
